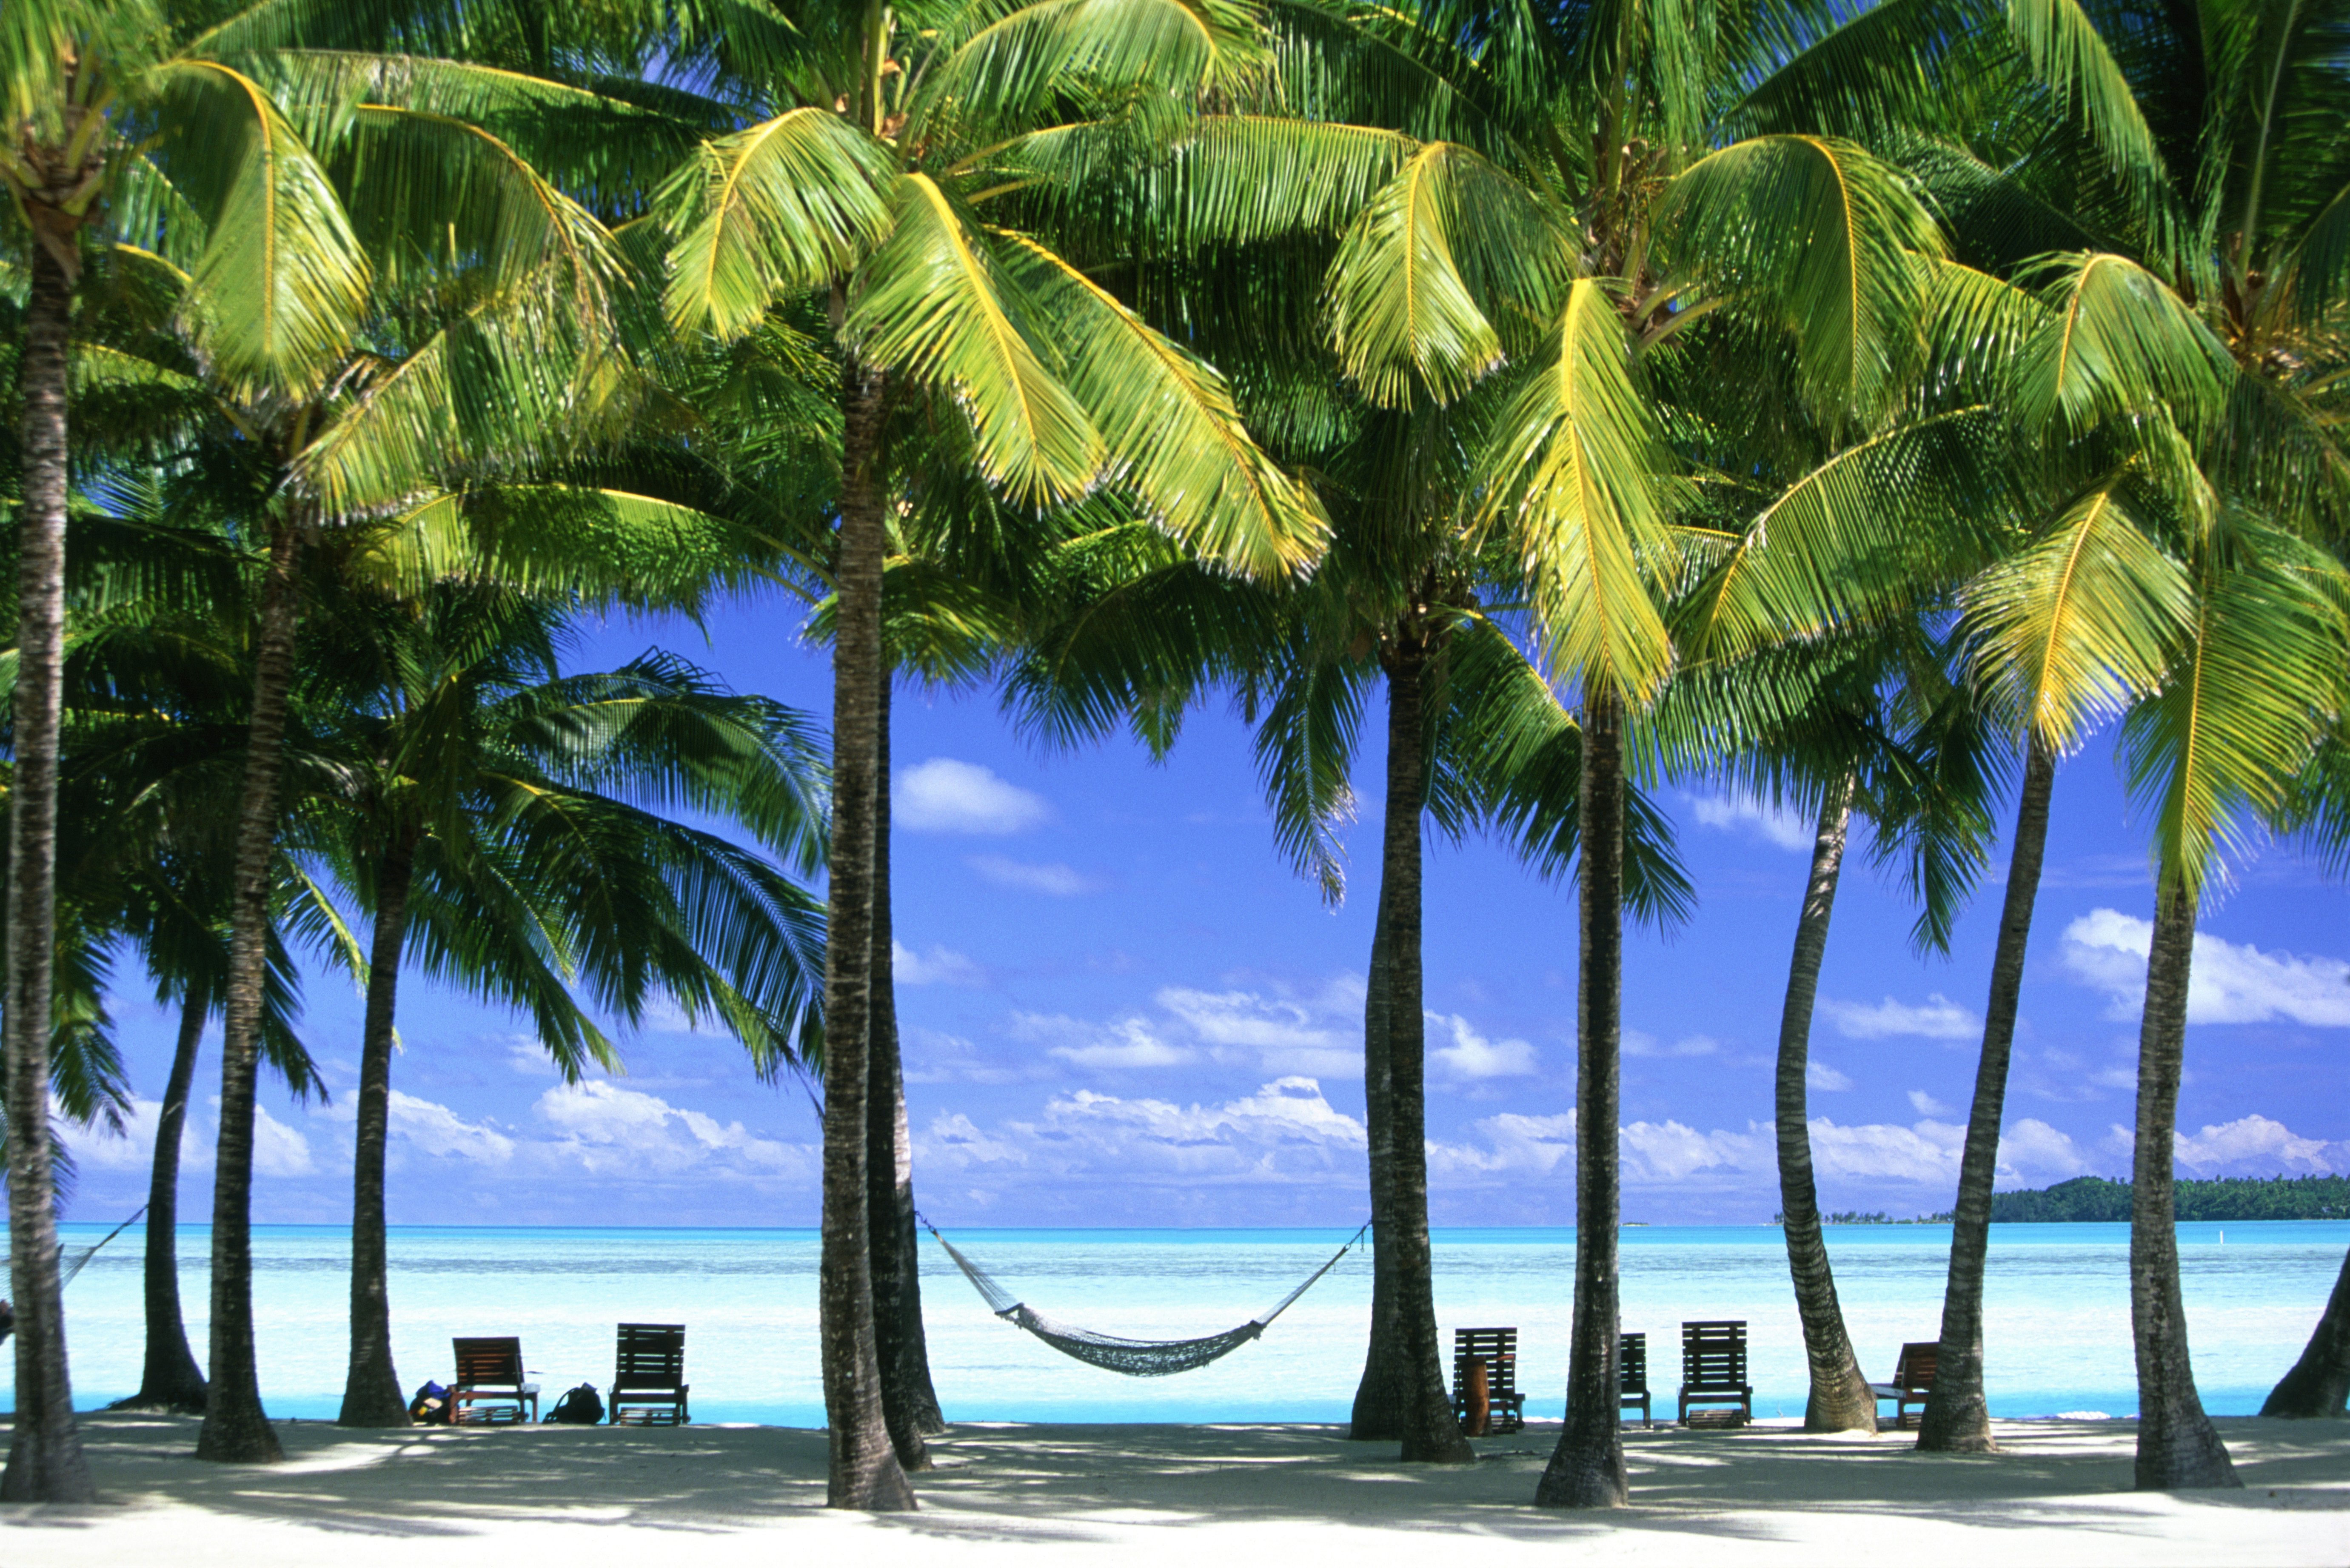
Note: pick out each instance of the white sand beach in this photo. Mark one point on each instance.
(1207, 1494)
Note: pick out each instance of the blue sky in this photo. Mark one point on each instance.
(1120, 1008)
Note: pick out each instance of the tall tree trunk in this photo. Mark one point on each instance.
(1840, 1400)
(909, 1403)
(1380, 1400)
(1431, 1433)
(372, 1396)
(1587, 1468)
(2319, 1383)
(171, 1380)
(45, 1458)
(864, 1472)
(1957, 1420)
(236, 1429)
(2176, 1446)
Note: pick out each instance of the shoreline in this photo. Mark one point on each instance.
(603, 1497)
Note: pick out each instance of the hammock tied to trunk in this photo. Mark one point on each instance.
(1135, 1357)
(82, 1260)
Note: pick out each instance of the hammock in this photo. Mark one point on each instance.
(81, 1259)
(1135, 1357)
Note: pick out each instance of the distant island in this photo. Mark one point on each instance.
(2093, 1197)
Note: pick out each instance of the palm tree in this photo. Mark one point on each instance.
(2319, 1383)
(504, 818)
(878, 140)
(270, 276)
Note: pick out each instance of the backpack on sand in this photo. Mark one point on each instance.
(430, 1406)
(578, 1407)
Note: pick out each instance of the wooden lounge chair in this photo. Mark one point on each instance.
(1713, 1374)
(1632, 1377)
(491, 1384)
(1497, 1350)
(1913, 1380)
(648, 1375)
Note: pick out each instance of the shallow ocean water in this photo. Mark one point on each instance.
(2057, 1306)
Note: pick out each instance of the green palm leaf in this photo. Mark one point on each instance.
(937, 305)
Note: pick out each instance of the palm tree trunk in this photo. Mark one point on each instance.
(45, 1458)
(236, 1429)
(2176, 1446)
(1957, 1420)
(864, 1472)
(172, 1381)
(1587, 1468)
(372, 1396)
(1840, 1400)
(1431, 1433)
(1379, 1398)
(908, 1404)
(2319, 1383)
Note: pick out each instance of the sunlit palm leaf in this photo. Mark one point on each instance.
(2116, 341)
(1182, 448)
(779, 207)
(937, 305)
(1578, 484)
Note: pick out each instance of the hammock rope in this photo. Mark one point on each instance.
(1134, 1357)
(81, 1260)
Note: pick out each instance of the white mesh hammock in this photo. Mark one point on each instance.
(1134, 1357)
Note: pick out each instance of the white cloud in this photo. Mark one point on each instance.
(2231, 982)
(938, 966)
(1280, 1034)
(1285, 1132)
(2255, 1146)
(1820, 1076)
(1939, 1018)
(1925, 1104)
(1054, 878)
(944, 795)
(440, 1131)
(526, 1056)
(603, 1130)
(1128, 1043)
(278, 1149)
(1636, 1043)
(1472, 1056)
(1733, 814)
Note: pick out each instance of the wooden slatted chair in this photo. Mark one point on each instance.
(1913, 1380)
(648, 1375)
(1496, 1351)
(491, 1385)
(1632, 1377)
(1713, 1374)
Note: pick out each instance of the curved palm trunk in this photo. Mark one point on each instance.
(864, 1470)
(1586, 1471)
(45, 1458)
(372, 1395)
(2176, 1446)
(2319, 1383)
(908, 1404)
(171, 1380)
(1957, 1420)
(236, 1429)
(1840, 1400)
(1430, 1431)
(1380, 1400)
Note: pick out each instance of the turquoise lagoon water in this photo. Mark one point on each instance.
(2057, 1305)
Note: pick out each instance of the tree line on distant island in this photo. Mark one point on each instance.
(1858, 408)
(2100, 1200)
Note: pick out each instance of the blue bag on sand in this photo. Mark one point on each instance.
(430, 1406)
(579, 1407)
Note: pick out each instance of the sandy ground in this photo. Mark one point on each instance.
(1216, 1497)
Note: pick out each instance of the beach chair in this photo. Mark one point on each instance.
(1496, 1351)
(1713, 1374)
(648, 1375)
(1632, 1377)
(1913, 1380)
(491, 1384)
